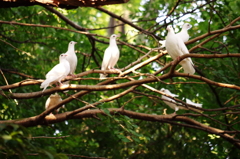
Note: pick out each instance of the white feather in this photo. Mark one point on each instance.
(183, 34)
(72, 57)
(176, 47)
(188, 101)
(171, 102)
(162, 42)
(111, 56)
(57, 73)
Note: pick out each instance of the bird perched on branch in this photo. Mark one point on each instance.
(183, 34)
(188, 101)
(175, 105)
(111, 56)
(52, 100)
(72, 57)
(57, 73)
(176, 47)
(169, 101)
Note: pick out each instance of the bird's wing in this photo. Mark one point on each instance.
(114, 56)
(106, 58)
(162, 42)
(173, 46)
(188, 66)
(183, 35)
(57, 71)
(72, 59)
(187, 63)
(188, 101)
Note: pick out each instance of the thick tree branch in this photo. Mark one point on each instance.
(29, 122)
(117, 86)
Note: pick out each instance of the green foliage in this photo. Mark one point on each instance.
(16, 143)
(34, 51)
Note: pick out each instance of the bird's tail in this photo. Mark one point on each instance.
(188, 67)
(44, 85)
(102, 76)
(198, 105)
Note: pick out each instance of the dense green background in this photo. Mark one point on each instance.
(116, 137)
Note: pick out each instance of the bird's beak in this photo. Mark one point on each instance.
(75, 42)
(118, 35)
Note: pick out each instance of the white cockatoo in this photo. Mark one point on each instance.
(175, 48)
(52, 100)
(72, 57)
(57, 73)
(111, 56)
(169, 101)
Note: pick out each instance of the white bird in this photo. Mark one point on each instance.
(162, 42)
(52, 100)
(183, 34)
(175, 48)
(188, 101)
(111, 56)
(57, 73)
(72, 57)
(170, 102)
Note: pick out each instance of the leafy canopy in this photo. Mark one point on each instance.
(119, 118)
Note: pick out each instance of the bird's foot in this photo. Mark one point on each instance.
(114, 69)
(74, 76)
(71, 76)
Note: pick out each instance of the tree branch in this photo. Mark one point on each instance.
(134, 115)
(127, 22)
